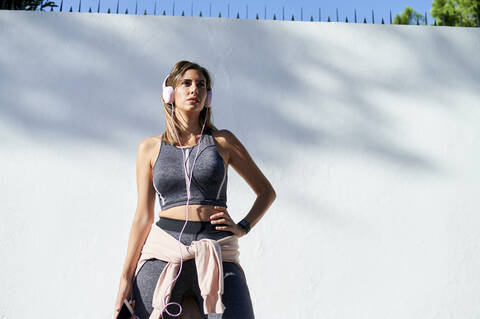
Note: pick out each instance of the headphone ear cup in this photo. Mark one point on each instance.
(208, 101)
(168, 94)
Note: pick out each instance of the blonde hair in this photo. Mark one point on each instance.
(176, 73)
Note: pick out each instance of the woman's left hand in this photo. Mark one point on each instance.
(227, 224)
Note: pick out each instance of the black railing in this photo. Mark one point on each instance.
(474, 21)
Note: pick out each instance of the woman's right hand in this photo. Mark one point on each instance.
(124, 292)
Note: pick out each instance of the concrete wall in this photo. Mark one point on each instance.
(369, 133)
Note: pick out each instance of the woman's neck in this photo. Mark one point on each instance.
(189, 126)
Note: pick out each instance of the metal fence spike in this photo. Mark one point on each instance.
(98, 8)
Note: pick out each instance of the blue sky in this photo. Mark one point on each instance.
(309, 8)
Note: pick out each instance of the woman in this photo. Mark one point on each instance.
(195, 191)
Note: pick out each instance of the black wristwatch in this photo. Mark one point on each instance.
(245, 225)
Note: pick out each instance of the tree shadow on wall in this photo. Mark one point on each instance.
(278, 85)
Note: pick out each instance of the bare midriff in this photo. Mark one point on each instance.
(196, 212)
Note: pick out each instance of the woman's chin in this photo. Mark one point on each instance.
(193, 108)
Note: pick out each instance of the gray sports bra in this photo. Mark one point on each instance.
(209, 181)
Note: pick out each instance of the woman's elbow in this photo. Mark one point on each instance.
(269, 193)
(273, 194)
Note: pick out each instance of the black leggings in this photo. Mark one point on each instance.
(235, 298)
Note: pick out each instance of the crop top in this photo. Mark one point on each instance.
(209, 181)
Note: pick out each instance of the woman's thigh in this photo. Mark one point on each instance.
(144, 285)
(236, 296)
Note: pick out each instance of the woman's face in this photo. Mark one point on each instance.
(191, 91)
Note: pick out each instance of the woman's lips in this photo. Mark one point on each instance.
(193, 100)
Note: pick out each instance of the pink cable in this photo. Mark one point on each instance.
(188, 180)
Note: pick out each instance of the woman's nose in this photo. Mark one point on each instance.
(194, 89)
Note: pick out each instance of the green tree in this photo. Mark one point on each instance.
(454, 12)
(409, 16)
(26, 4)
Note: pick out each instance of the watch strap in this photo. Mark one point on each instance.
(245, 225)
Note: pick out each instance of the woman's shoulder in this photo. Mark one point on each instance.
(224, 137)
(149, 142)
(228, 143)
(223, 141)
(149, 147)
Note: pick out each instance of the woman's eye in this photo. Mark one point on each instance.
(199, 85)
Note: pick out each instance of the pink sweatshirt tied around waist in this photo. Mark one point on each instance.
(208, 254)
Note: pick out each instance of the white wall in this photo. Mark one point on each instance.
(369, 134)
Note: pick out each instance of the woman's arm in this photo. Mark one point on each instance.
(243, 163)
(144, 214)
